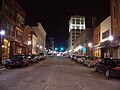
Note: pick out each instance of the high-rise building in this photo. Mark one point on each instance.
(76, 26)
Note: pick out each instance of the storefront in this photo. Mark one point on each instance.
(5, 49)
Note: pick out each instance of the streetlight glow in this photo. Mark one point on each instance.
(29, 42)
(2, 32)
(90, 44)
(110, 38)
(40, 47)
(37, 45)
(80, 47)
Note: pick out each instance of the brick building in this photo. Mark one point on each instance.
(115, 18)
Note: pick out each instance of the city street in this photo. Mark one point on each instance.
(56, 73)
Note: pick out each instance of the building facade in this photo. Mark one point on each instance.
(12, 20)
(76, 25)
(81, 43)
(41, 35)
(97, 50)
(115, 21)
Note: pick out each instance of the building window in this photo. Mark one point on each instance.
(82, 27)
(77, 21)
(82, 21)
(9, 12)
(19, 34)
(12, 31)
(73, 36)
(105, 34)
(114, 12)
(73, 21)
(78, 27)
(20, 21)
(73, 27)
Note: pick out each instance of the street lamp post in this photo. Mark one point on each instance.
(2, 33)
(110, 40)
(90, 46)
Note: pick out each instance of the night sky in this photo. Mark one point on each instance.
(54, 15)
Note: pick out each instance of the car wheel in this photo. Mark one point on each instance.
(96, 70)
(6, 67)
(107, 74)
(89, 64)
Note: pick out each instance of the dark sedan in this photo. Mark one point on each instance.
(15, 61)
(109, 66)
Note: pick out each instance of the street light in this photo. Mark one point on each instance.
(90, 46)
(110, 38)
(2, 33)
(29, 42)
(40, 47)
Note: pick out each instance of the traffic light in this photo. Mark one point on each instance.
(56, 49)
(61, 48)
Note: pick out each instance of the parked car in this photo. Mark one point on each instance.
(33, 58)
(109, 66)
(90, 61)
(81, 59)
(67, 55)
(41, 56)
(15, 61)
(73, 57)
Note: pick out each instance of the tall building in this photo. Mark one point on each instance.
(115, 18)
(76, 25)
(12, 20)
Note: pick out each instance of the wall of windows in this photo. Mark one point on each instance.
(9, 12)
(19, 34)
(20, 21)
(9, 27)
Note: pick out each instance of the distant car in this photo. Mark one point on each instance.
(50, 55)
(33, 58)
(73, 57)
(90, 61)
(81, 59)
(67, 55)
(15, 61)
(109, 66)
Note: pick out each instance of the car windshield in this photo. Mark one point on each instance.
(116, 61)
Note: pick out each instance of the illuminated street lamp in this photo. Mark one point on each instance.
(40, 47)
(80, 47)
(37, 45)
(89, 44)
(2, 32)
(29, 42)
(110, 38)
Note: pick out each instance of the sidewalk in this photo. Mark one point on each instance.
(1, 66)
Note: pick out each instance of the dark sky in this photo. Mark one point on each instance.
(55, 14)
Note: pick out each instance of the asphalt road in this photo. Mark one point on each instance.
(56, 73)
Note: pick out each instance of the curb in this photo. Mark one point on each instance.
(1, 67)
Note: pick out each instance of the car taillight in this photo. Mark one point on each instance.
(116, 68)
